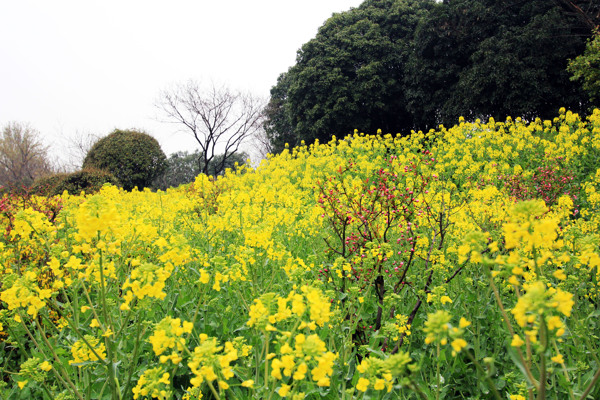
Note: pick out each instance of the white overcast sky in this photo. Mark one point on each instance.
(71, 68)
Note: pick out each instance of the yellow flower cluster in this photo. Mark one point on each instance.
(168, 336)
(528, 230)
(439, 330)
(380, 374)
(146, 280)
(396, 327)
(542, 304)
(153, 383)
(31, 225)
(87, 349)
(211, 362)
(23, 292)
(27, 240)
(438, 296)
(35, 370)
(98, 216)
(308, 354)
(310, 304)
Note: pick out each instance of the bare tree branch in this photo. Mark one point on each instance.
(76, 147)
(587, 11)
(218, 118)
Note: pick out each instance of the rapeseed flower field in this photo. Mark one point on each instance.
(457, 263)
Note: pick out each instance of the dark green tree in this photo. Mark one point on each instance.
(349, 76)
(586, 11)
(277, 123)
(220, 163)
(399, 65)
(484, 58)
(182, 167)
(133, 157)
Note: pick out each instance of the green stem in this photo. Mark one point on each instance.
(565, 372)
(437, 377)
(87, 295)
(417, 389)
(590, 346)
(488, 379)
(82, 337)
(68, 300)
(343, 362)
(114, 385)
(512, 333)
(45, 388)
(212, 389)
(544, 342)
(66, 381)
(134, 357)
(243, 300)
(187, 336)
(118, 334)
(591, 385)
(268, 337)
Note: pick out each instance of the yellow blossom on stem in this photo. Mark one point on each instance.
(362, 384)
(517, 341)
(558, 359)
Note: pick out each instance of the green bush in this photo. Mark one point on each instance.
(134, 158)
(45, 186)
(183, 167)
(89, 180)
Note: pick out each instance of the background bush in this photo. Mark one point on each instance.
(133, 157)
(183, 167)
(89, 180)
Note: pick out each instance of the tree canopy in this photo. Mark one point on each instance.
(398, 65)
(133, 157)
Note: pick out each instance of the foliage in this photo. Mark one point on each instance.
(23, 157)
(182, 168)
(481, 59)
(45, 185)
(587, 12)
(349, 76)
(133, 157)
(406, 65)
(372, 266)
(586, 67)
(277, 123)
(89, 180)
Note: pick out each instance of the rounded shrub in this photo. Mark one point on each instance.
(133, 157)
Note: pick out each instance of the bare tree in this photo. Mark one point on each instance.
(23, 157)
(220, 119)
(77, 147)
